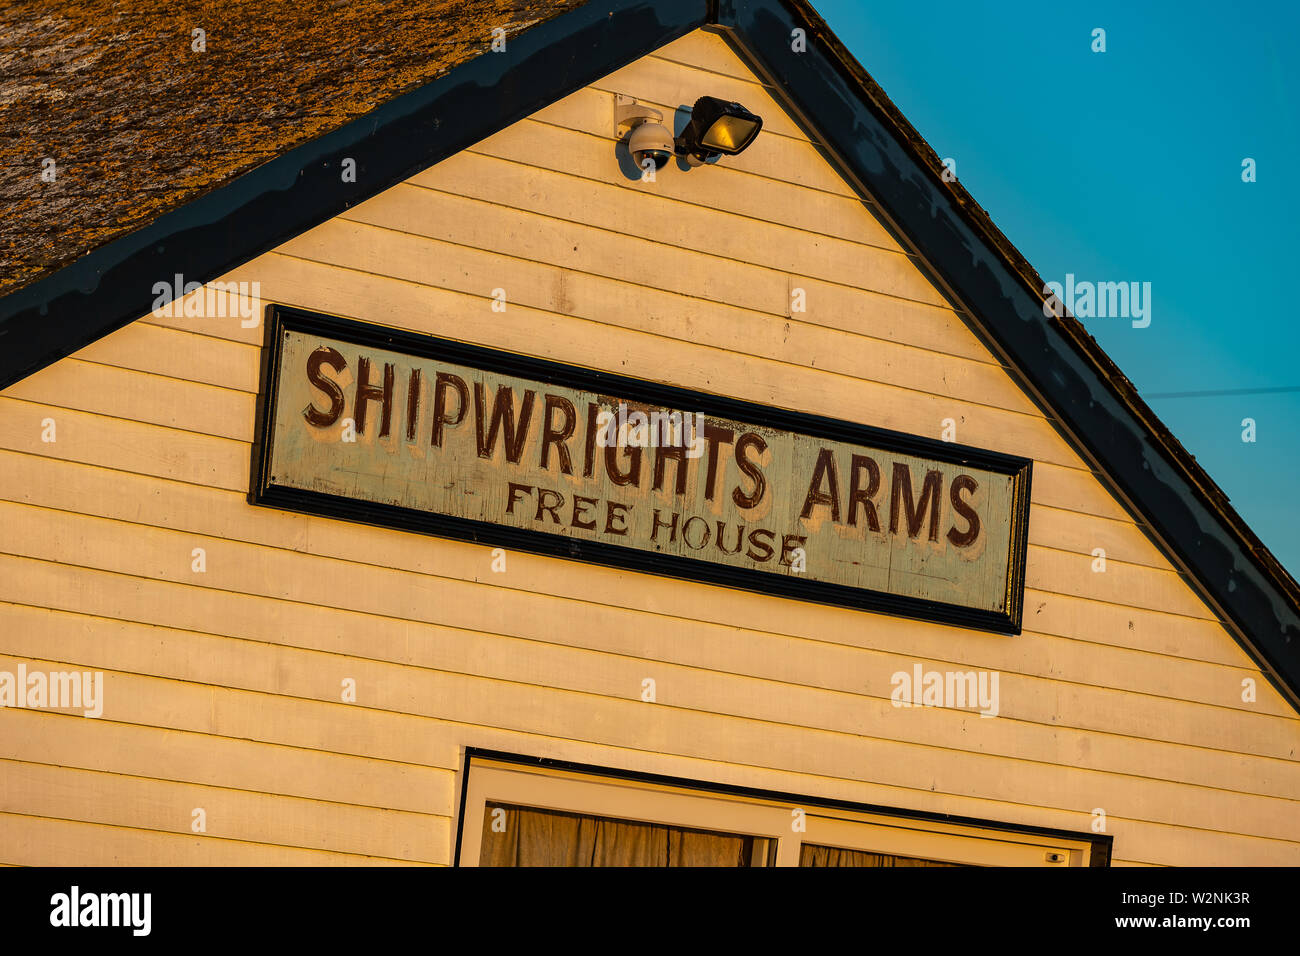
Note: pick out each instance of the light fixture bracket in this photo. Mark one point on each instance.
(629, 114)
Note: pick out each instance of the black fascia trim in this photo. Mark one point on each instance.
(1102, 843)
(265, 492)
(863, 139)
(214, 234)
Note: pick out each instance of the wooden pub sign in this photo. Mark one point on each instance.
(372, 424)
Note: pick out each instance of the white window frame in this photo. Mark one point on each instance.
(629, 798)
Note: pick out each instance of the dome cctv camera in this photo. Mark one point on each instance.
(642, 128)
(651, 142)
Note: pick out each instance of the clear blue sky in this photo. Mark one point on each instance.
(1126, 166)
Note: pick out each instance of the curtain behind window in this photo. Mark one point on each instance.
(813, 855)
(535, 837)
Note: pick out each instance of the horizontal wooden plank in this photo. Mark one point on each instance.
(205, 511)
(1083, 533)
(203, 329)
(1115, 625)
(141, 396)
(212, 361)
(38, 789)
(183, 757)
(1072, 489)
(41, 841)
(102, 440)
(1131, 585)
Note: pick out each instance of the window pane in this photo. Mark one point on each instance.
(525, 836)
(814, 855)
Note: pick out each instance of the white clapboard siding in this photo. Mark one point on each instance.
(780, 158)
(588, 156)
(179, 756)
(222, 518)
(119, 799)
(793, 340)
(905, 410)
(705, 50)
(702, 229)
(245, 569)
(42, 840)
(459, 651)
(703, 644)
(153, 398)
(224, 689)
(660, 729)
(1084, 660)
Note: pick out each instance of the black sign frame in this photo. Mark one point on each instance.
(265, 493)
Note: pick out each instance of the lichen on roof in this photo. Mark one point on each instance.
(139, 121)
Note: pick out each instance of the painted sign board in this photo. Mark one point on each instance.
(374, 424)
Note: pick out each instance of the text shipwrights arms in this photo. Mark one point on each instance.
(473, 443)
